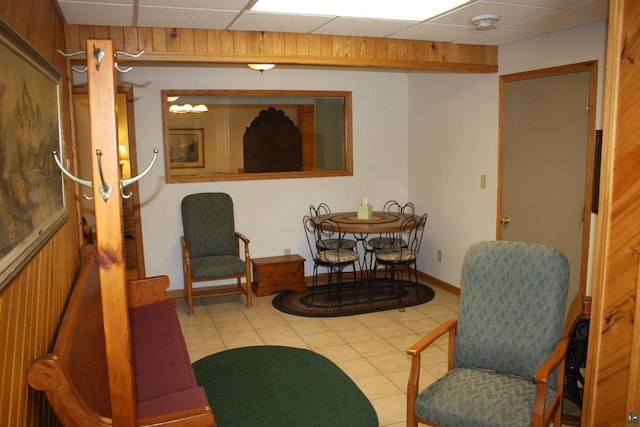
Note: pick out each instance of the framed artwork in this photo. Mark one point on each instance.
(186, 148)
(31, 186)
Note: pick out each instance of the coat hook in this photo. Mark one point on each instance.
(98, 53)
(76, 53)
(73, 177)
(123, 194)
(131, 55)
(76, 68)
(126, 182)
(105, 189)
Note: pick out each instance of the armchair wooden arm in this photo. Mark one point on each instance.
(541, 378)
(245, 240)
(415, 351)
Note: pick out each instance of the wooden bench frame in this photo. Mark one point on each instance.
(74, 375)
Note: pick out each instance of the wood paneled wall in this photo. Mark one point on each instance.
(193, 45)
(31, 305)
(613, 363)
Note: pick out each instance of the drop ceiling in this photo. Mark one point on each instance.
(521, 19)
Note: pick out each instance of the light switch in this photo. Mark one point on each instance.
(483, 181)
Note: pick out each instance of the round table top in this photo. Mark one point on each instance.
(380, 222)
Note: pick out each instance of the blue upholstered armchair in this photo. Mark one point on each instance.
(506, 353)
(211, 247)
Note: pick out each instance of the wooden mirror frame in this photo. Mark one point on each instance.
(170, 177)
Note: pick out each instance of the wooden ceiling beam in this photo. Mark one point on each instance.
(224, 46)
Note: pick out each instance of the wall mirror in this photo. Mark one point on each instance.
(217, 135)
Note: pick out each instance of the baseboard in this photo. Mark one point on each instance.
(439, 283)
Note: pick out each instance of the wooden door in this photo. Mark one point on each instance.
(546, 162)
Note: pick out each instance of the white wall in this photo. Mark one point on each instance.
(270, 212)
(453, 140)
(424, 137)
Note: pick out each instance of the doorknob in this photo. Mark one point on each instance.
(505, 220)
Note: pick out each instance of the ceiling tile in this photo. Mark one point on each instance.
(236, 5)
(171, 17)
(80, 2)
(510, 13)
(436, 32)
(497, 37)
(599, 6)
(553, 4)
(363, 27)
(556, 20)
(263, 21)
(97, 13)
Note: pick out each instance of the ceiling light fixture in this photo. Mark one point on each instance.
(261, 67)
(188, 108)
(404, 10)
(485, 21)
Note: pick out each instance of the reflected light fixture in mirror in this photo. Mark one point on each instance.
(188, 109)
(261, 67)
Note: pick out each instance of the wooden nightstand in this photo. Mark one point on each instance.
(278, 273)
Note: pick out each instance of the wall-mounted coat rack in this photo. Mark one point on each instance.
(105, 189)
(101, 68)
(98, 54)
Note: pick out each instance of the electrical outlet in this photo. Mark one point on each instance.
(439, 254)
(287, 251)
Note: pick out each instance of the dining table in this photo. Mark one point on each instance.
(379, 223)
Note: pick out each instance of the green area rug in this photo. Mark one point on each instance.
(277, 386)
(352, 299)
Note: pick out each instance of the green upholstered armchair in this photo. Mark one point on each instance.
(506, 352)
(211, 248)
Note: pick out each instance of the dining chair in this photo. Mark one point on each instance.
(211, 247)
(334, 260)
(403, 256)
(506, 351)
(388, 239)
(326, 241)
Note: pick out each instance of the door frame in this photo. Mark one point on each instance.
(592, 68)
(133, 165)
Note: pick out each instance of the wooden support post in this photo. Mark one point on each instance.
(108, 212)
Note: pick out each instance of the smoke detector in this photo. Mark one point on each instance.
(485, 21)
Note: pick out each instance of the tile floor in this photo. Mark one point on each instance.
(370, 348)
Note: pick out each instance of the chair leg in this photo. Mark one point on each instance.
(247, 289)
(314, 284)
(188, 291)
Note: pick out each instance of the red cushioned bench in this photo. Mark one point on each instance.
(74, 375)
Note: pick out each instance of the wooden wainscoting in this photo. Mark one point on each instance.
(31, 305)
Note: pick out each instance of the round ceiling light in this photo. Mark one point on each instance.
(261, 67)
(485, 21)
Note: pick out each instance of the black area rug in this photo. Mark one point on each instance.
(279, 386)
(325, 301)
